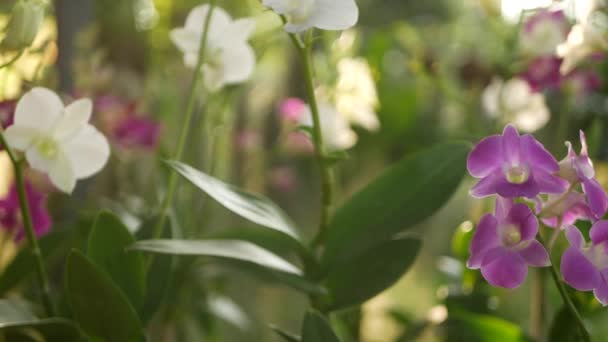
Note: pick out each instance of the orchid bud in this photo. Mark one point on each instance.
(26, 19)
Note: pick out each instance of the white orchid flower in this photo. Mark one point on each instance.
(356, 96)
(337, 134)
(229, 59)
(515, 102)
(58, 140)
(583, 40)
(324, 14)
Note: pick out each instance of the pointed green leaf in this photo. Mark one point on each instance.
(317, 329)
(252, 207)
(16, 316)
(404, 195)
(564, 327)
(372, 272)
(289, 337)
(107, 248)
(486, 328)
(230, 249)
(99, 306)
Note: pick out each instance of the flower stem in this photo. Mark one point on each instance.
(538, 305)
(190, 107)
(584, 334)
(41, 272)
(327, 176)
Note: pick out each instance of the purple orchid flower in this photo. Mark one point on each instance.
(511, 165)
(10, 212)
(579, 169)
(504, 245)
(543, 73)
(585, 267)
(137, 132)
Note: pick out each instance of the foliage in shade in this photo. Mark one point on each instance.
(404, 195)
(289, 337)
(99, 306)
(317, 329)
(107, 248)
(372, 272)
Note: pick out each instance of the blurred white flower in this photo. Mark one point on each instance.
(515, 102)
(356, 96)
(337, 134)
(229, 59)
(58, 140)
(543, 32)
(583, 40)
(324, 14)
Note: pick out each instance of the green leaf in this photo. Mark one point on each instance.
(24, 262)
(404, 195)
(289, 337)
(107, 248)
(16, 316)
(372, 272)
(99, 306)
(160, 271)
(564, 327)
(317, 329)
(230, 249)
(487, 328)
(255, 208)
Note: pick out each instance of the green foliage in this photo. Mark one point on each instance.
(255, 208)
(372, 272)
(230, 249)
(317, 329)
(107, 248)
(99, 306)
(401, 197)
(486, 328)
(564, 327)
(289, 337)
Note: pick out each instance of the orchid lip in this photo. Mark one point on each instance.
(510, 235)
(518, 174)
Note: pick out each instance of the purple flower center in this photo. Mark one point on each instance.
(517, 174)
(510, 235)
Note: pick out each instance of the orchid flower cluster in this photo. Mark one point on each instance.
(532, 187)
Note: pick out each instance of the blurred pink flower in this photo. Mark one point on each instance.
(7, 114)
(543, 73)
(543, 32)
(283, 178)
(583, 82)
(292, 109)
(248, 139)
(10, 212)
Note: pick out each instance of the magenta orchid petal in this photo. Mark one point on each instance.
(578, 272)
(521, 215)
(528, 189)
(536, 153)
(601, 292)
(574, 237)
(484, 158)
(596, 197)
(10, 212)
(504, 268)
(485, 237)
(599, 232)
(549, 184)
(535, 254)
(486, 186)
(511, 144)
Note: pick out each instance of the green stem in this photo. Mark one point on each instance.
(327, 177)
(537, 305)
(41, 272)
(584, 335)
(198, 76)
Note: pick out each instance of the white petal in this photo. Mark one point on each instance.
(38, 161)
(185, 40)
(20, 137)
(238, 63)
(62, 175)
(239, 30)
(87, 152)
(39, 108)
(76, 116)
(335, 14)
(196, 20)
(279, 6)
(190, 59)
